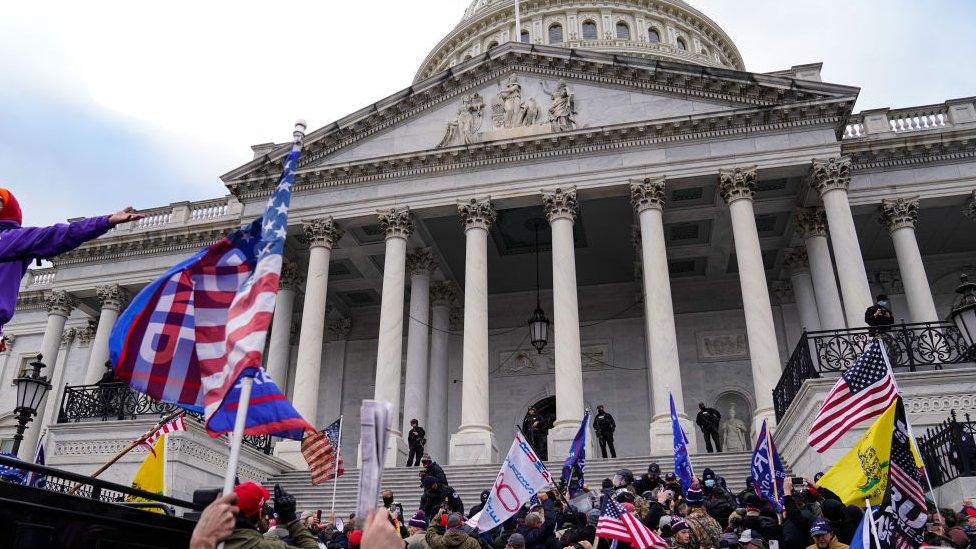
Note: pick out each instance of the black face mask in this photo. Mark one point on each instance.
(387, 501)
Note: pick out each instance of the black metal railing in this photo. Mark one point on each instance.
(949, 450)
(911, 347)
(117, 401)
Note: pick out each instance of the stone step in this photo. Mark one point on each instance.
(470, 480)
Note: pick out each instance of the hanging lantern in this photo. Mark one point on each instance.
(539, 330)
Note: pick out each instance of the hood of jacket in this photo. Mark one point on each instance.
(454, 538)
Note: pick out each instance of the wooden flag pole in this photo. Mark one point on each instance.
(129, 448)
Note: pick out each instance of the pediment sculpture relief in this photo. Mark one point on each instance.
(511, 115)
(524, 362)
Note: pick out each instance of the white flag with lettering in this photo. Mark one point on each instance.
(522, 476)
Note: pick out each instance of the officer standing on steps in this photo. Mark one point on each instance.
(416, 440)
(604, 425)
(708, 420)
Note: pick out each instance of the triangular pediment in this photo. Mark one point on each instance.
(519, 92)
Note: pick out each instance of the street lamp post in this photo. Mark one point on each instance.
(963, 313)
(31, 388)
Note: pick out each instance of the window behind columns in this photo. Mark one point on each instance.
(623, 31)
(653, 36)
(589, 30)
(556, 34)
(525, 38)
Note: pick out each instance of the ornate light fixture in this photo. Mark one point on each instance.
(538, 324)
(31, 388)
(964, 312)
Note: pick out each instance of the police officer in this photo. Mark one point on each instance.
(604, 425)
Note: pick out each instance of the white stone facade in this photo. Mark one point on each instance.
(722, 172)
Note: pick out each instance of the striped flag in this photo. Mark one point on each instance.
(322, 452)
(901, 522)
(617, 523)
(171, 426)
(864, 391)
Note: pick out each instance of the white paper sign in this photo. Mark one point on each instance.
(522, 476)
(375, 420)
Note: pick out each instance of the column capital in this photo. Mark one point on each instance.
(420, 262)
(648, 193)
(970, 209)
(560, 203)
(827, 174)
(321, 233)
(811, 222)
(476, 213)
(87, 334)
(796, 261)
(396, 222)
(291, 276)
(898, 213)
(68, 336)
(737, 183)
(443, 293)
(339, 328)
(112, 296)
(60, 302)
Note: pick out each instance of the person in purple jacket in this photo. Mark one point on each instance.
(19, 245)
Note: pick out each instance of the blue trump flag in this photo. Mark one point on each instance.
(682, 463)
(575, 463)
(767, 466)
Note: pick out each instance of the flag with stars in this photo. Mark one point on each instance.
(190, 337)
(864, 391)
(901, 522)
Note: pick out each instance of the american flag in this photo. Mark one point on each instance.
(171, 426)
(865, 390)
(904, 512)
(322, 452)
(617, 523)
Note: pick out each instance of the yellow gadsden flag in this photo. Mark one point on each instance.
(863, 472)
(150, 476)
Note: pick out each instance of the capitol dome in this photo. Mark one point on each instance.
(658, 29)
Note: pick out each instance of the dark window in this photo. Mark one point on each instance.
(556, 34)
(686, 231)
(681, 44)
(525, 37)
(623, 31)
(694, 193)
(765, 223)
(589, 30)
(681, 267)
(653, 35)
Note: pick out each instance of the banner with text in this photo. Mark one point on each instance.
(522, 476)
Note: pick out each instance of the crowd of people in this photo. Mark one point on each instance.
(706, 515)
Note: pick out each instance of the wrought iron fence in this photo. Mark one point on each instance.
(911, 347)
(949, 450)
(117, 401)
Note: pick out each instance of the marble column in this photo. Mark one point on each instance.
(442, 296)
(648, 198)
(334, 373)
(899, 216)
(321, 235)
(798, 267)
(811, 223)
(832, 177)
(397, 225)
(738, 187)
(59, 307)
(475, 443)
(561, 206)
(420, 263)
(279, 344)
(113, 298)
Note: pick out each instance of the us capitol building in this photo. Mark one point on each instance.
(683, 225)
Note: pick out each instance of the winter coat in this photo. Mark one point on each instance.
(719, 505)
(19, 245)
(246, 537)
(432, 500)
(647, 484)
(335, 540)
(479, 506)
(766, 527)
(543, 536)
(579, 533)
(416, 438)
(796, 527)
(708, 419)
(436, 471)
(604, 425)
(417, 541)
(452, 539)
(705, 530)
(834, 544)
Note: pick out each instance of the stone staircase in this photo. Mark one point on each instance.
(470, 480)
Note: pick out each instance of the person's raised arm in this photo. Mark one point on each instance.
(27, 243)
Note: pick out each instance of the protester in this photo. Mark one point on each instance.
(251, 498)
(540, 525)
(681, 536)
(750, 540)
(516, 541)
(453, 538)
(651, 481)
(708, 420)
(395, 508)
(604, 426)
(417, 532)
(718, 502)
(705, 530)
(432, 469)
(582, 527)
(879, 314)
(437, 496)
(823, 537)
(216, 523)
(476, 508)
(535, 431)
(21, 245)
(416, 440)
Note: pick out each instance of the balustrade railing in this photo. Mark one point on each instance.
(116, 401)
(907, 120)
(949, 450)
(910, 347)
(41, 277)
(855, 127)
(918, 118)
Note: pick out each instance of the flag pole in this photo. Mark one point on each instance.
(872, 526)
(238, 435)
(335, 479)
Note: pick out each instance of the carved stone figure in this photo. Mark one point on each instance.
(563, 108)
(511, 100)
(735, 433)
(468, 123)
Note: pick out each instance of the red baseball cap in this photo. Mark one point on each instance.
(250, 498)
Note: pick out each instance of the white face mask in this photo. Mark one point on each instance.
(618, 481)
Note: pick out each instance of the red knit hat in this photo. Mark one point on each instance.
(11, 208)
(355, 539)
(250, 498)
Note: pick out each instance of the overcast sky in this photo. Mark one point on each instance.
(108, 103)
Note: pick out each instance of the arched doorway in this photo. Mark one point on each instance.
(546, 411)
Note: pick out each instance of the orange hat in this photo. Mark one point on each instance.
(250, 499)
(11, 208)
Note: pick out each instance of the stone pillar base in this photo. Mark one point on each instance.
(561, 438)
(662, 435)
(396, 452)
(768, 414)
(291, 452)
(473, 447)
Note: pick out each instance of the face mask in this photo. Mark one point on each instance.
(387, 501)
(710, 483)
(883, 303)
(618, 480)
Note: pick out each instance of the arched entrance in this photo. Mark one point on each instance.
(546, 411)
